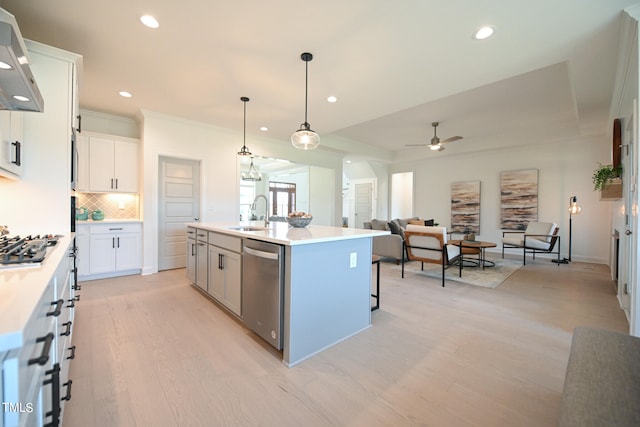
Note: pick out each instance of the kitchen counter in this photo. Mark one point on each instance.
(20, 291)
(283, 234)
(106, 221)
(327, 281)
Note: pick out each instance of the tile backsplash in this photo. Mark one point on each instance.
(114, 205)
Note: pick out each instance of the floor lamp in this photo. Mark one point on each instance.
(574, 209)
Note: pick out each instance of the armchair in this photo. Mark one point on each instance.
(539, 237)
(429, 244)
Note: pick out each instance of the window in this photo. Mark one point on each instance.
(282, 198)
(247, 194)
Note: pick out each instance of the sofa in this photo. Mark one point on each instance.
(391, 246)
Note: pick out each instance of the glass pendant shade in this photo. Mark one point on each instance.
(305, 138)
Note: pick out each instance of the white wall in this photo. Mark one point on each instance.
(564, 170)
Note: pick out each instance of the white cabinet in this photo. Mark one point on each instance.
(34, 373)
(109, 163)
(82, 242)
(11, 144)
(114, 249)
(225, 270)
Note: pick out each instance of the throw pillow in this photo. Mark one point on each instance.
(393, 227)
(376, 224)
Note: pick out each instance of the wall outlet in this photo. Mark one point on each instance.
(353, 260)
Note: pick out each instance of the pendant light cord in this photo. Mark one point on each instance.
(306, 91)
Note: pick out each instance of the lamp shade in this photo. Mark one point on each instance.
(574, 208)
(305, 138)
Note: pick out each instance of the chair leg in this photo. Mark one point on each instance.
(524, 256)
(503, 250)
(403, 267)
(443, 272)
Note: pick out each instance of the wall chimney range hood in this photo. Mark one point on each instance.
(18, 88)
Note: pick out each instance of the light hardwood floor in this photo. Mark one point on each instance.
(153, 351)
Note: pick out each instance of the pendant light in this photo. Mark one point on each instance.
(244, 151)
(252, 174)
(305, 138)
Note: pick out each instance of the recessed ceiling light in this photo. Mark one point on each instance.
(149, 21)
(124, 94)
(264, 128)
(332, 99)
(21, 98)
(483, 33)
(5, 66)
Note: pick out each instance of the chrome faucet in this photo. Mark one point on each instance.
(266, 207)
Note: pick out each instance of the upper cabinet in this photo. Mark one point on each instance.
(107, 163)
(11, 144)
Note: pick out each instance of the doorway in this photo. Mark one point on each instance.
(178, 204)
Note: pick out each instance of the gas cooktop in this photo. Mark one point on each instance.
(17, 251)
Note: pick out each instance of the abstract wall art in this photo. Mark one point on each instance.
(518, 198)
(465, 207)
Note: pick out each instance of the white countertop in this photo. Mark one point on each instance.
(20, 291)
(106, 221)
(283, 234)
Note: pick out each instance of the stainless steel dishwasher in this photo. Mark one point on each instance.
(262, 289)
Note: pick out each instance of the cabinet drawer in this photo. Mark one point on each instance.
(114, 228)
(227, 242)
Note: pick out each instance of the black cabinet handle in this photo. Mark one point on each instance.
(73, 352)
(56, 312)
(116, 183)
(55, 395)
(68, 331)
(44, 356)
(18, 146)
(193, 249)
(118, 240)
(67, 396)
(79, 129)
(112, 183)
(113, 242)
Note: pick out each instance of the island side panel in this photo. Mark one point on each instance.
(325, 301)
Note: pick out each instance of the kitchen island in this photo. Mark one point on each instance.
(327, 281)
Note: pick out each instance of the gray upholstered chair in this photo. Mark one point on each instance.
(539, 237)
(429, 244)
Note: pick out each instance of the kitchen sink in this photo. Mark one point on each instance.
(247, 228)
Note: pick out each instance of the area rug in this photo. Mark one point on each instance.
(490, 277)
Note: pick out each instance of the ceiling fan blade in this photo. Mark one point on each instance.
(415, 145)
(451, 139)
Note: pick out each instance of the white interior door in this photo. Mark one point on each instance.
(630, 174)
(363, 204)
(179, 203)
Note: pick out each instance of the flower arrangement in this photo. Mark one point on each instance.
(604, 174)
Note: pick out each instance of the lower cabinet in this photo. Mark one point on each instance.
(110, 249)
(34, 378)
(214, 264)
(225, 272)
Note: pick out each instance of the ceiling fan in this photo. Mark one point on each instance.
(436, 143)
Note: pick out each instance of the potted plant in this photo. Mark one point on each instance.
(607, 179)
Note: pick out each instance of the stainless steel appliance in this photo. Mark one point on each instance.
(262, 289)
(29, 251)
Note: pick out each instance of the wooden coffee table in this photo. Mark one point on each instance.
(476, 244)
